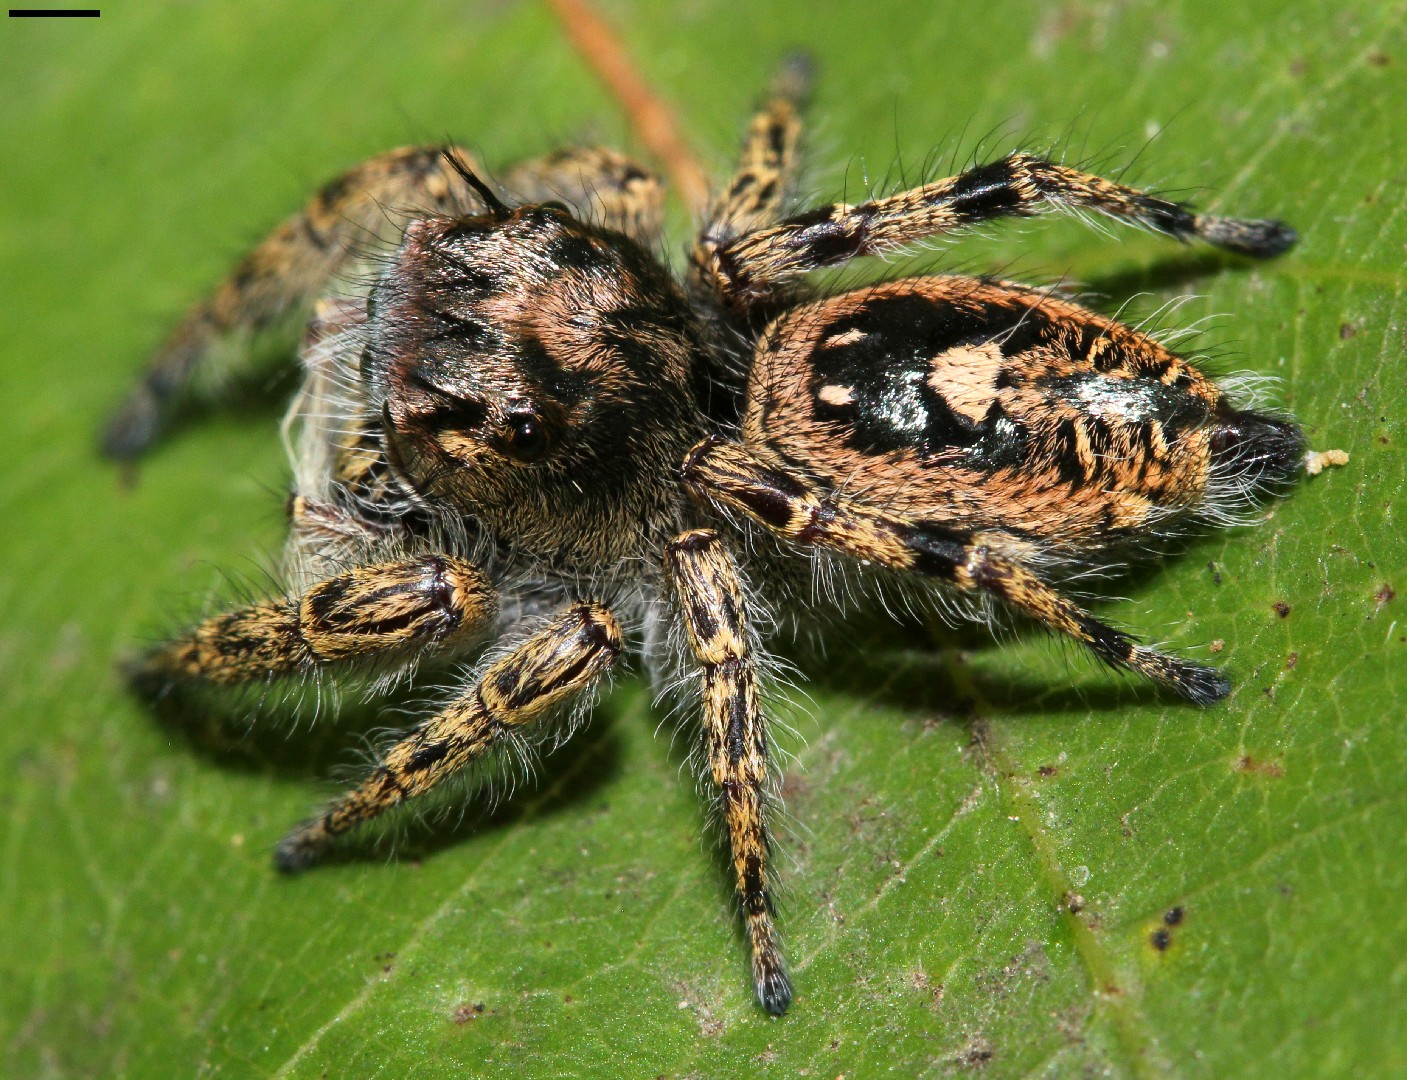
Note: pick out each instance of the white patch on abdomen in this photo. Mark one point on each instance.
(966, 379)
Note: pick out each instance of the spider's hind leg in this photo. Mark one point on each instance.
(735, 477)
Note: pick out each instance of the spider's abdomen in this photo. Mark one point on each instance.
(990, 406)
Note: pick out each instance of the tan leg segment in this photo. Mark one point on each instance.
(735, 739)
(371, 610)
(750, 267)
(277, 282)
(598, 185)
(557, 663)
(734, 476)
(761, 183)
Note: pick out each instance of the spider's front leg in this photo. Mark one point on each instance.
(735, 476)
(735, 739)
(552, 666)
(749, 268)
(368, 612)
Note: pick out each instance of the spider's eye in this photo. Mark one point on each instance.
(527, 436)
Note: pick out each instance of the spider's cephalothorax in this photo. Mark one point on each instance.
(539, 374)
(523, 431)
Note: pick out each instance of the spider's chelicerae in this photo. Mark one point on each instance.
(523, 442)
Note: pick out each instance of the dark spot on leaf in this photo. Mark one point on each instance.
(1216, 574)
(1281, 608)
(1047, 770)
(1160, 939)
(1347, 330)
(976, 1053)
(466, 1012)
(1173, 916)
(1385, 594)
(1291, 660)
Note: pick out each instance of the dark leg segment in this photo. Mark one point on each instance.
(1014, 186)
(735, 740)
(734, 476)
(278, 281)
(556, 663)
(362, 613)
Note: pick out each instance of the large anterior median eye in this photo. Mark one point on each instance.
(527, 439)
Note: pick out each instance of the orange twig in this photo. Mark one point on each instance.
(650, 118)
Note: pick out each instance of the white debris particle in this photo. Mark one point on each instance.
(1316, 461)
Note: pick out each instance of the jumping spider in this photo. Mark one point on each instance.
(526, 441)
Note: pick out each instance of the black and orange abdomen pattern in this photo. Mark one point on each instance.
(985, 405)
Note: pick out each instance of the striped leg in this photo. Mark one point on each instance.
(1018, 185)
(555, 664)
(600, 186)
(761, 182)
(276, 284)
(733, 476)
(735, 739)
(366, 612)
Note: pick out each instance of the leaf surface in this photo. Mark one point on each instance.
(1000, 856)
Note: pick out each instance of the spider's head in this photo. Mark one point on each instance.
(536, 374)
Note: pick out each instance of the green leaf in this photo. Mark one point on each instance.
(988, 837)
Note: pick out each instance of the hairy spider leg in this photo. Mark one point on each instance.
(275, 285)
(361, 212)
(552, 666)
(762, 179)
(428, 601)
(600, 186)
(734, 476)
(750, 267)
(710, 596)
